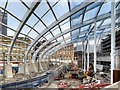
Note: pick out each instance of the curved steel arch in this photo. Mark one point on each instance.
(87, 10)
(103, 34)
(54, 50)
(107, 15)
(20, 20)
(101, 17)
(57, 43)
(14, 30)
(62, 18)
(52, 46)
(25, 19)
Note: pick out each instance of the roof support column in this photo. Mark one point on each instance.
(95, 46)
(112, 38)
(38, 61)
(84, 58)
(82, 55)
(88, 54)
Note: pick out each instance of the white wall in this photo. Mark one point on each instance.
(79, 48)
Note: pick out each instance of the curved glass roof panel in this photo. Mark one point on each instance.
(76, 20)
(25, 30)
(12, 22)
(48, 35)
(99, 32)
(106, 30)
(56, 31)
(59, 38)
(45, 20)
(74, 3)
(75, 38)
(39, 26)
(106, 7)
(99, 23)
(10, 32)
(11, 7)
(42, 8)
(61, 8)
(67, 35)
(85, 28)
(65, 26)
(117, 20)
(33, 34)
(91, 14)
(48, 18)
(75, 32)
(77, 14)
(107, 21)
(95, 4)
(32, 20)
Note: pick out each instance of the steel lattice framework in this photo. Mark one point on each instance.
(59, 24)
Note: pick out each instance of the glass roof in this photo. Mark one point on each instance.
(40, 24)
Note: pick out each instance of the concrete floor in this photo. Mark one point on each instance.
(72, 83)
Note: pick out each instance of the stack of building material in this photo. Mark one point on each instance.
(32, 67)
(21, 68)
(8, 71)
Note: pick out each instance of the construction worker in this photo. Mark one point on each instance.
(89, 74)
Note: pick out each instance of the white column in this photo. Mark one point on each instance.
(95, 46)
(112, 38)
(82, 56)
(24, 69)
(88, 54)
(84, 59)
(38, 61)
(24, 61)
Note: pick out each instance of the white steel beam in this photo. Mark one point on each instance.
(95, 46)
(112, 38)
(62, 18)
(102, 17)
(88, 54)
(84, 57)
(21, 25)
